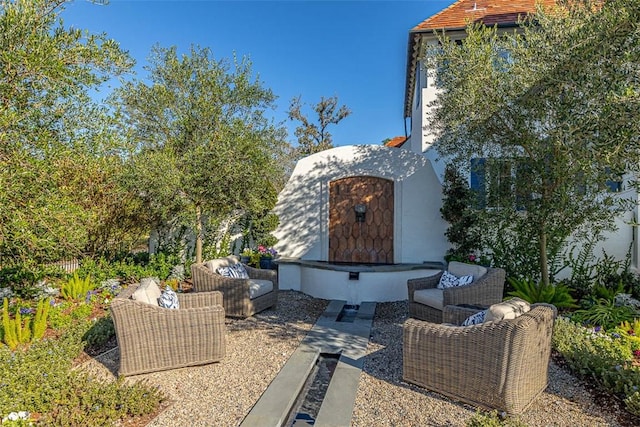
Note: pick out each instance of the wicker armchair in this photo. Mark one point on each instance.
(495, 365)
(237, 299)
(483, 291)
(152, 338)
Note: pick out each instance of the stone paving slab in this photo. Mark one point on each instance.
(350, 340)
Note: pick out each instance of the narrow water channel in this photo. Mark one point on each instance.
(308, 405)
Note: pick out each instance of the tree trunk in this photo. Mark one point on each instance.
(544, 266)
(198, 234)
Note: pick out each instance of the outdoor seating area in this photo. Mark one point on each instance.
(193, 334)
(245, 293)
(427, 300)
(388, 391)
(499, 364)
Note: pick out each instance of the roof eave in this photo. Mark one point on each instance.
(412, 57)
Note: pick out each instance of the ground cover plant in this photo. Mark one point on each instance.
(43, 339)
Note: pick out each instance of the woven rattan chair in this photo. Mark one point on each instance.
(237, 301)
(152, 338)
(485, 290)
(494, 365)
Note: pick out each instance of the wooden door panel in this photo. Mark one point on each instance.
(370, 241)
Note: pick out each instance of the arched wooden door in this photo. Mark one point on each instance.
(367, 239)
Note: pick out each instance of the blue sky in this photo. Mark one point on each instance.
(355, 50)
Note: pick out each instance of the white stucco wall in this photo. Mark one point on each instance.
(303, 204)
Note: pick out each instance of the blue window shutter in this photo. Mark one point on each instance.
(614, 186)
(478, 181)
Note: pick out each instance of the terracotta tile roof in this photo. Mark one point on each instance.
(490, 12)
(455, 17)
(396, 141)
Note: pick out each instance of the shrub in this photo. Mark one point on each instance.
(39, 326)
(528, 290)
(457, 209)
(15, 330)
(492, 419)
(58, 316)
(42, 380)
(605, 313)
(129, 268)
(604, 357)
(76, 288)
(100, 332)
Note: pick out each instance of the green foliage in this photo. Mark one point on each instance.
(528, 290)
(603, 357)
(207, 149)
(630, 331)
(19, 330)
(510, 234)
(129, 268)
(80, 311)
(58, 318)
(76, 288)
(593, 278)
(42, 380)
(39, 325)
(457, 210)
(52, 135)
(632, 403)
(100, 332)
(492, 419)
(86, 402)
(605, 313)
(260, 226)
(14, 330)
(23, 279)
(530, 100)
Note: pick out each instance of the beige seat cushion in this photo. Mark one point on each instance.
(258, 287)
(509, 309)
(460, 269)
(432, 297)
(148, 292)
(214, 264)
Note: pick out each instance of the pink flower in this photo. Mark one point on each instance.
(472, 258)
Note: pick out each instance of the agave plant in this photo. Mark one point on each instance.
(528, 290)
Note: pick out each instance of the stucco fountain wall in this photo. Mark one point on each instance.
(305, 222)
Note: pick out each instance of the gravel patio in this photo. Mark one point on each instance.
(221, 394)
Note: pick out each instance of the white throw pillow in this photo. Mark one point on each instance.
(148, 292)
(509, 309)
(448, 280)
(216, 263)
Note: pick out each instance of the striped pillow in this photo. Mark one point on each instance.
(169, 299)
(236, 271)
(475, 319)
(448, 280)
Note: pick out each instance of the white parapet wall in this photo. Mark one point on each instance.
(353, 284)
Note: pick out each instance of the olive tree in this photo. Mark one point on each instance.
(549, 112)
(205, 146)
(314, 137)
(46, 148)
